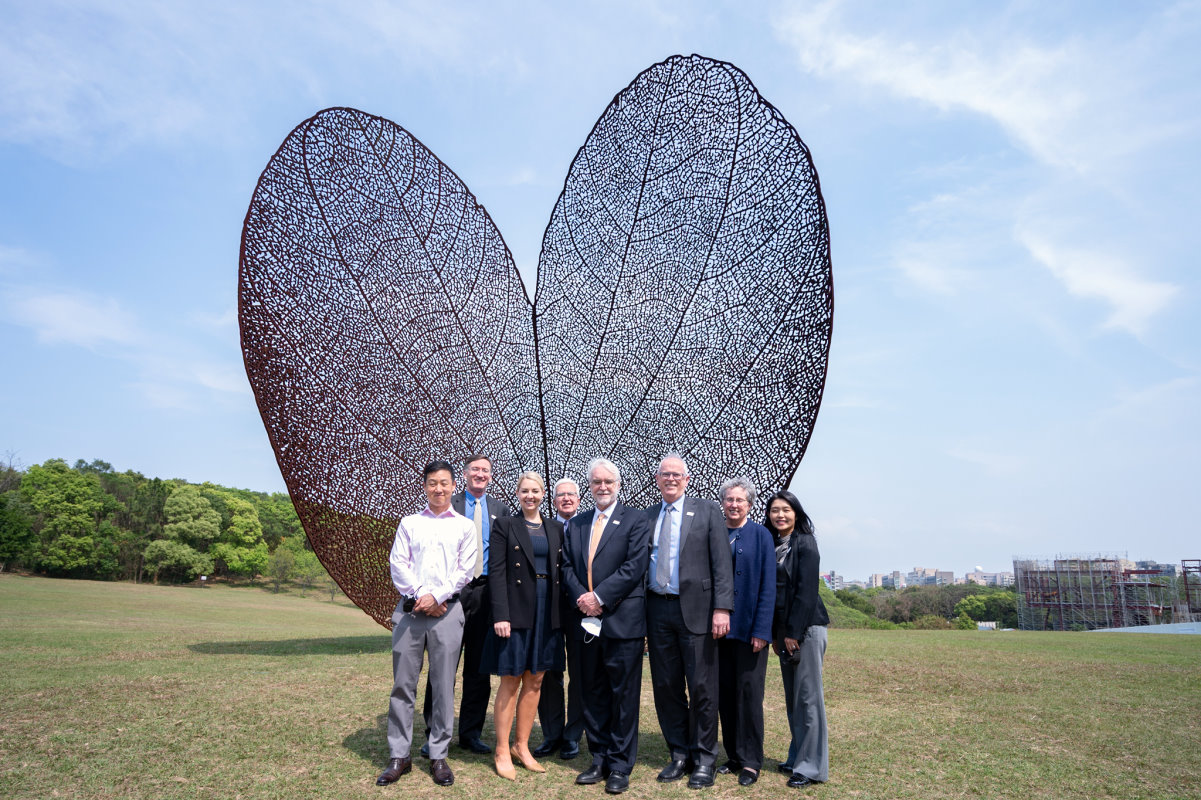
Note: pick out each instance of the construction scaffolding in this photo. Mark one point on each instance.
(1080, 593)
(1191, 602)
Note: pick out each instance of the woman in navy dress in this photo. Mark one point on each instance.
(524, 556)
(742, 653)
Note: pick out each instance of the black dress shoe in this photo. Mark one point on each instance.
(594, 774)
(440, 772)
(396, 768)
(700, 778)
(570, 750)
(547, 747)
(728, 767)
(798, 780)
(747, 776)
(425, 750)
(475, 744)
(674, 771)
(785, 768)
(617, 783)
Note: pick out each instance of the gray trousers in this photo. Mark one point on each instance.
(413, 635)
(809, 753)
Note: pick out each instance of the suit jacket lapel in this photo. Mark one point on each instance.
(689, 513)
(614, 512)
(524, 541)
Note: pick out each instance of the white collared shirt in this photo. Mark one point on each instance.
(673, 552)
(433, 554)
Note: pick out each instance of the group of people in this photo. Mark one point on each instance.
(700, 588)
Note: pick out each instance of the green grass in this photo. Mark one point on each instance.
(118, 690)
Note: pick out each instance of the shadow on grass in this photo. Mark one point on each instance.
(371, 744)
(333, 646)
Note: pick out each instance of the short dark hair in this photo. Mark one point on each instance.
(477, 457)
(437, 466)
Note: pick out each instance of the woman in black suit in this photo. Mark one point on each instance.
(800, 638)
(524, 556)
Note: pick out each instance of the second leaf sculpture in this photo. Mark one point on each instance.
(684, 303)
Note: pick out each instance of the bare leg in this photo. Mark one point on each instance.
(502, 717)
(527, 708)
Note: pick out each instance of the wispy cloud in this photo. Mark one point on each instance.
(87, 81)
(1091, 107)
(1083, 103)
(170, 373)
(1094, 274)
(73, 318)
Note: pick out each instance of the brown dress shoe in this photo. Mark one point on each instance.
(396, 768)
(440, 771)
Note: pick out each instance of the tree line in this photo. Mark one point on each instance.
(90, 521)
(959, 605)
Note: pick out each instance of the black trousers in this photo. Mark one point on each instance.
(611, 685)
(741, 675)
(562, 722)
(477, 686)
(681, 659)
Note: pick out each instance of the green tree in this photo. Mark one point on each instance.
(241, 549)
(67, 506)
(16, 532)
(280, 566)
(191, 519)
(973, 606)
(965, 623)
(172, 558)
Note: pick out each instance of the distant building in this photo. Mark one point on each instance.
(989, 578)
(834, 581)
(877, 580)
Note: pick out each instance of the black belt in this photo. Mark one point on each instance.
(664, 595)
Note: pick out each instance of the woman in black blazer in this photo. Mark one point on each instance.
(524, 556)
(800, 638)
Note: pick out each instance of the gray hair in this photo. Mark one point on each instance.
(606, 464)
(562, 481)
(677, 457)
(743, 483)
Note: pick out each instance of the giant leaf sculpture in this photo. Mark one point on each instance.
(684, 303)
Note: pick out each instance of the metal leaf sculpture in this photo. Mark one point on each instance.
(684, 302)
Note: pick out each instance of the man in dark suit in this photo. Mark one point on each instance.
(690, 594)
(482, 508)
(605, 552)
(563, 722)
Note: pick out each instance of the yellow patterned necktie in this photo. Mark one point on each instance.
(598, 527)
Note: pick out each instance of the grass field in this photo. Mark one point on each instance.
(120, 690)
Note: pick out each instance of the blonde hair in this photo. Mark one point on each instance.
(530, 475)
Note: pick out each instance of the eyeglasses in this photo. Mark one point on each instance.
(672, 476)
(566, 494)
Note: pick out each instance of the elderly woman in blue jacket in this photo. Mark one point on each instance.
(742, 654)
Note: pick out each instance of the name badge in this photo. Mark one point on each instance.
(616, 522)
(690, 513)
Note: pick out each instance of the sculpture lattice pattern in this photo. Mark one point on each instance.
(684, 302)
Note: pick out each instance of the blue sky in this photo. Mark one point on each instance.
(1012, 194)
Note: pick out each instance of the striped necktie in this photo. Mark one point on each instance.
(598, 528)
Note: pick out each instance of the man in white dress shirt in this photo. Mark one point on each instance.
(432, 558)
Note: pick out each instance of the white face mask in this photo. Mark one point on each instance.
(591, 625)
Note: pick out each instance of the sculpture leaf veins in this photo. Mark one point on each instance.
(683, 302)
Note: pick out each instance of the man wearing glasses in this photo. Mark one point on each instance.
(555, 734)
(690, 584)
(605, 554)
